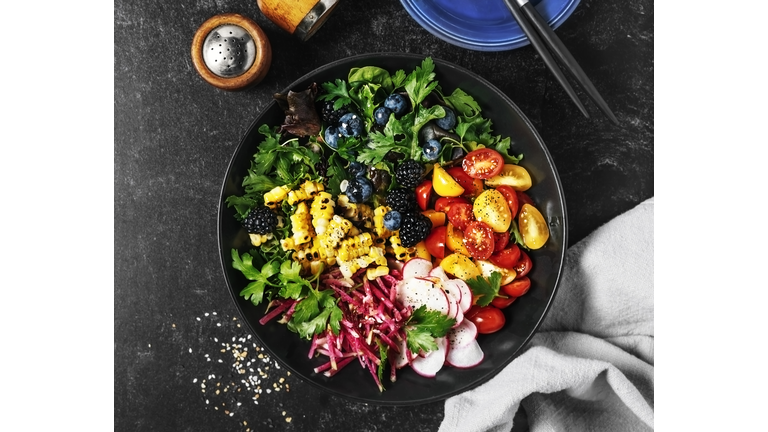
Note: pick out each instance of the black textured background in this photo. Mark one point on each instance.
(175, 327)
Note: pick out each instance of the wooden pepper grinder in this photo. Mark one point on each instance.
(301, 18)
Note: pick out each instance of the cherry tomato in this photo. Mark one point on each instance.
(491, 208)
(487, 269)
(437, 218)
(460, 266)
(472, 186)
(523, 265)
(460, 215)
(472, 311)
(511, 175)
(454, 239)
(523, 198)
(478, 238)
(443, 204)
(517, 287)
(500, 241)
(423, 194)
(511, 197)
(507, 258)
(483, 163)
(444, 184)
(533, 227)
(502, 302)
(436, 241)
(488, 319)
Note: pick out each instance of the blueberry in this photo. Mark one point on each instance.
(359, 190)
(432, 149)
(332, 136)
(392, 220)
(449, 121)
(356, 169)
(381, 115)
(351, 125)
(397, 103)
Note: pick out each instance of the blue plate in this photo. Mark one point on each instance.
(482, 25)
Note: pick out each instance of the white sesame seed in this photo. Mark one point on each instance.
(190, 350)
(194, 380)
(214, 313)
(149, 345)
(197, 318)
(218, 324)
(206, 314)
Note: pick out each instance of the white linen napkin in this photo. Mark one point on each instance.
(590, 366)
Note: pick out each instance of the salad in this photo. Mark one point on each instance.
(389, 225)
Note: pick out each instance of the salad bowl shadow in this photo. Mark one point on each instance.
(523, 317)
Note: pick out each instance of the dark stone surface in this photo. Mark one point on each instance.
(174, 135)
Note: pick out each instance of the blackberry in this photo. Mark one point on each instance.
(261, 220)
(331, 116)
(414, 228)
(402, 200)
(409, 173)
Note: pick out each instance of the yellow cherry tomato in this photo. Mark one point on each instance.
(459, 266)
(491, 207)
(454, 240)
(511, 175)
(532, 226)
(437, 218)
(421, 251)
(487, 268)
(443, 184)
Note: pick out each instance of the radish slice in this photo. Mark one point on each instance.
(438, 272)
(415, 292)
(467, 356)
(429, 365)
(452, 289)
(417, 267)
(402, 357)
(465, 301)
(462, 335)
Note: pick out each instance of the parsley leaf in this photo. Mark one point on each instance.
(463, 103)
(336, 90)
(423, 326)
(420, 83)
(484, 290)
(254, 291)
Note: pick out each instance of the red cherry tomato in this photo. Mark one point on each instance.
(423, 194)
(507, 258)
(488, 319)
(472, 311)
(523, 265)
(500, 241)
(443, 204)
(483, 163)
(503, 302)
(472, 186)
(523, 198)
(478, 238)
(435, 241)
(517, 287)
(511, 196)
(460, 214)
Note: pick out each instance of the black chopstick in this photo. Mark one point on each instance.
(556, 45)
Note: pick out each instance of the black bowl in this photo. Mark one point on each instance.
(523, 317)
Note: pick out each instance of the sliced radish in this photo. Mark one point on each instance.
(402, 357)
(462, 335)
(429, 365)
(438, 272)
(465, 301)
(415, 292)
(417, 267)
(467, 356)
(452, 289)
